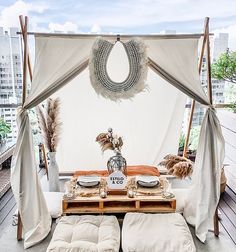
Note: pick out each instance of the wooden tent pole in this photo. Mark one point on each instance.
(24, 26)
(209, 86)
(25, 60)
(209, 82)
(206, 25)
(28, 57)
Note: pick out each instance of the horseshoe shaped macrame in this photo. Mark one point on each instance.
(135, 81)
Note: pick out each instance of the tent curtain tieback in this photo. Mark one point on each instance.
(135, 81)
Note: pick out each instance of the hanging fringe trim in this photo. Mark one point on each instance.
(135, 82)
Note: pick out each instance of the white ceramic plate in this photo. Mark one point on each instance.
(148, 181)
(88, 181)
(88, 184)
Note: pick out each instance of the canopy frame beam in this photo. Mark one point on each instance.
(122, 36)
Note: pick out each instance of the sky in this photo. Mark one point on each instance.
(122, 16)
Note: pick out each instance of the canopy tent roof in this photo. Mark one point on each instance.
(175, 61)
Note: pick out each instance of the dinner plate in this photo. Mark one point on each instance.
(88, 184)
(88, 181)
(148, 181)
(148, 184)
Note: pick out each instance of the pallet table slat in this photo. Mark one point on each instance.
(118, 204)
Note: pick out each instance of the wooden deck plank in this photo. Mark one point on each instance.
(6, 197)
(6, 209)
(227, 224)
(228, 212)
(229, 201)
(231, 193)
(7, 221)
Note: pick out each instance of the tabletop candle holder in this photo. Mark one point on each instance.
(69, 189)
(103, 188)
(131, 188)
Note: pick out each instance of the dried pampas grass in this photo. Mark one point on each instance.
(178, 166)
(109, 142)
(104, 141)
(181, 169)
(49, 123)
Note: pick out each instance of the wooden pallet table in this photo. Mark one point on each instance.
(118, 204)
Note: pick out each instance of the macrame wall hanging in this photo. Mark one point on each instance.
(135, 81)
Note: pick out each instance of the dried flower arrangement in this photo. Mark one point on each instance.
(108, 141)
(49, 123)
(179, 166)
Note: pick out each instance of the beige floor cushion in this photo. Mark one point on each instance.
(54, 203)
(180, 195)
(86, 233)
(156, 233)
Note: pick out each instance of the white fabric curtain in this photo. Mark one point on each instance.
(171, 61)
(179, 59)
(200, 209)
(58, 60)
(26, 186)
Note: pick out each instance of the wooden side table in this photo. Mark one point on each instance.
(118, 204)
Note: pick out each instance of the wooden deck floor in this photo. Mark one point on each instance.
(227, 216)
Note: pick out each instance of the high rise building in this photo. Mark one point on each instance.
(10, 76)
(220, 45)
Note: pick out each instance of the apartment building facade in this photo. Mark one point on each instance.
(10, 77)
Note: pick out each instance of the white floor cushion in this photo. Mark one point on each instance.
(86, 233)
(54, 203)
(180, 195)
(156, 233)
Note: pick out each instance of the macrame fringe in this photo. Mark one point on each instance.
(140, 85)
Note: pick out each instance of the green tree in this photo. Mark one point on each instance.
(225, 67)
(4, 129)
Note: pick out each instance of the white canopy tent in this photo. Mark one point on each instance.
(59, 59)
